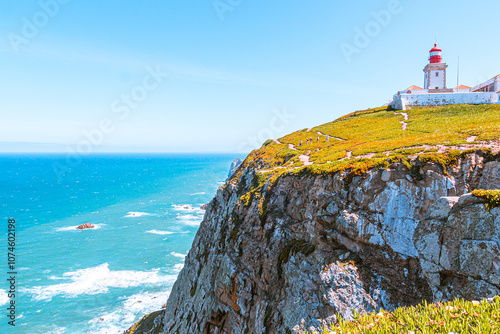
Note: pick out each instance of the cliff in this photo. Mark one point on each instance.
(363, 218)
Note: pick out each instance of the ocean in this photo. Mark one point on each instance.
(146, 211)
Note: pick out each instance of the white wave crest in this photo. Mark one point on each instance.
(200, 193)
(97, 280)
(179, 255)
(191, 220)
(160, 232)
(137, 214)
(178, 267)
(186, 207)
(128, 311)
(4, 297)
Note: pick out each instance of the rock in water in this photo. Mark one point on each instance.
(85, 226)
(234, 165)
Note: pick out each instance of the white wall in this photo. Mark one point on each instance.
(405, 101)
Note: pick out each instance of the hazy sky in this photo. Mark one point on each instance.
(224, 75)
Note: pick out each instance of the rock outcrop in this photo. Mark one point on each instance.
(234, 165)
(85, 226)
(315, 246)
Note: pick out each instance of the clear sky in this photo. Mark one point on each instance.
(219, 76)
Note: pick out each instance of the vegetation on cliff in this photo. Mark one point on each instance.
(458, 316)
(368, 137)
(492, 197)
(375, 138)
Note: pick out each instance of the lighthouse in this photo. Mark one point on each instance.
(435, 71)
(436, 93)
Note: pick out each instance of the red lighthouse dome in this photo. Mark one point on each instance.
(435, 55)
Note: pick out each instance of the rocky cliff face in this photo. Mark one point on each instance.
(234, 165)
(314, 246)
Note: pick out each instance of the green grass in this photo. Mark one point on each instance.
(457, 316)
(378, 131)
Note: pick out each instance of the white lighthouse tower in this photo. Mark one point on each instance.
(435, 71)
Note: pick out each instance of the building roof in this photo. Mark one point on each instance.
(414, 88)
(498, 76)
(435, 49)
(463, 87)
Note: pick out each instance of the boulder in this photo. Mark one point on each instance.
(85, 226)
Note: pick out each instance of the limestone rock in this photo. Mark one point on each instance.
(234, 165)
(441, 208)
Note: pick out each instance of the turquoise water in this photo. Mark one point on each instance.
(146, 211)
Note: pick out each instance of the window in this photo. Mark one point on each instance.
(437, 87)
(437, 74)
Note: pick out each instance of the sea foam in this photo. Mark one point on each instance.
(97, 280)
(191, 220)
(179, 255)
(160, 232)
(4, 298)
(186, 207)
(137, 214)
(178, 267)
(128, 311)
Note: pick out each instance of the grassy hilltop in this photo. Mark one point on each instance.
(379, 133)
(375, 138)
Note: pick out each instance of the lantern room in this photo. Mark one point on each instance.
(435, 55)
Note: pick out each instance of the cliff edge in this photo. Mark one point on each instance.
(371, 211)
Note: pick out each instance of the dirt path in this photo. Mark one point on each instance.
(305, 160)
(404, 125)
(322, 134)
(494, 145)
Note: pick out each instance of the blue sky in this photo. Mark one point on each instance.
(229, 73)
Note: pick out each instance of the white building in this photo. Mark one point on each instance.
(435, 91)
(492, 85)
